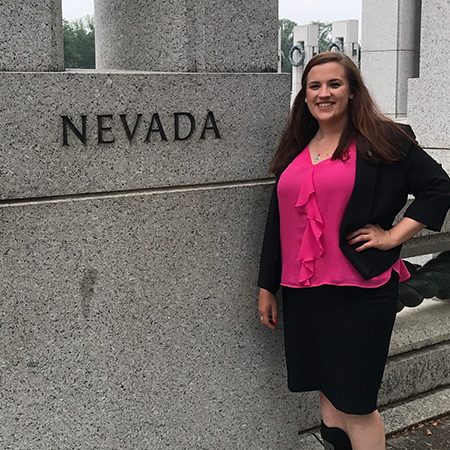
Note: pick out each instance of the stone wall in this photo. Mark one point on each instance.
(390, 51)
(131, 216)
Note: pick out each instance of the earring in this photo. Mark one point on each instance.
(352, 96)
(306, 100)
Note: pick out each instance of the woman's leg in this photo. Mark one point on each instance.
(366, 431)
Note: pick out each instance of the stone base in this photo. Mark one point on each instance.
(130, 322)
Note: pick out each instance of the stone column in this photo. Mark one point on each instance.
(132, 208)
(390, 51)
(428, 99)
(307, 36)
(33, 41)
(187, 36)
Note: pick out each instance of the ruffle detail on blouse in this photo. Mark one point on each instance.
(311, 247)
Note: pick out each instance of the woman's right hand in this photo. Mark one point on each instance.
(268, 308)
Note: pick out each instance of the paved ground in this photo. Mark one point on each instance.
(434, 435)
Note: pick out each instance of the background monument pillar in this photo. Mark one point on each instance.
(428, 99)
(31, 36)
(307, 37)
(186, 36)
(390, 51)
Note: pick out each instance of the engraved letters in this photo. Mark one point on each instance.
(135, 127)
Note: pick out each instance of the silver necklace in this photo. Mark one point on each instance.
(318, 154)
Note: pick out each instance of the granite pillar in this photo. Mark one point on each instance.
(428, 100)
(390, 51)
(187, 36)
(132, 208)
(31, 36)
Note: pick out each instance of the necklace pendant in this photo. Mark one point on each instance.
(317, 158)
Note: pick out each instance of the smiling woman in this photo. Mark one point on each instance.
(327, 96)
(344, 172)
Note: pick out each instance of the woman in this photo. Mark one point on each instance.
(343, 174)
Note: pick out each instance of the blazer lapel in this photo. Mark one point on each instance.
(357, 214)
(359, 208)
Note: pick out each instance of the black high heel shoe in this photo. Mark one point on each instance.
(334, 438)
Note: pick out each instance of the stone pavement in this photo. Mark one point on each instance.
(434, 434)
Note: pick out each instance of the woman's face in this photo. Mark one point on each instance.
(327, 93)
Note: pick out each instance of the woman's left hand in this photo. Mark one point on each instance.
(373, 236)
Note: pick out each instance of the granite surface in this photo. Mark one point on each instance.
(31, 36)
(428, 108)
(130, 322)
(187, 36)
(416, 410)
(414, 373)
(434, 434)
(390, 25)
(435, 52)
(386, 74)
(379, 70)
(425, 325)
(428, 102)
(423, 245)
(390, 51)
(379, 21)
(249, 109)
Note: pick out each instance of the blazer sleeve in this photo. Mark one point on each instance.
(430, 185)
(270, 262)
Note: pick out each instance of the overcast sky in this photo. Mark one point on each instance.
(300, 11)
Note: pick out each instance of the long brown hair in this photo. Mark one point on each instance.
(377, 137)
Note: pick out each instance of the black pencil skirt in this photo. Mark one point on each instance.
(337, 341)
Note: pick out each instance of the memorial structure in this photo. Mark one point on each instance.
(391, 51)
(132, 207)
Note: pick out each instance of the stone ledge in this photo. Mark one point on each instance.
(413, 373)
(422, 326)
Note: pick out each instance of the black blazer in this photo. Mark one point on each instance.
(380, 192)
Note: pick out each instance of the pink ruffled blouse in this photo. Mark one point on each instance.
(312, 199)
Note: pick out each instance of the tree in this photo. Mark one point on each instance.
(79, 43)
(287, 39)
(325, 35)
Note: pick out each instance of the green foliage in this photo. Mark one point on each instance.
(287, 39)
(324, 35)
(79, 43)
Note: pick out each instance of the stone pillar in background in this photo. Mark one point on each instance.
(187, 36)
(307, 37)
(390, 51)
(429, 99)
(31, 36)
